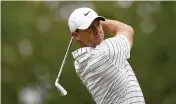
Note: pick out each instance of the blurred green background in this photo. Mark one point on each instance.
(35, 36)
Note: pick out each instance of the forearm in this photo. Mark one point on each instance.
(115, 27)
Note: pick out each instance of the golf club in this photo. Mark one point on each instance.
(62, 91)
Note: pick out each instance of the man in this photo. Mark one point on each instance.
(102, 64)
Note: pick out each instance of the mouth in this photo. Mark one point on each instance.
(97, 37)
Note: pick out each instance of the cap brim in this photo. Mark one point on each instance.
(88, 22)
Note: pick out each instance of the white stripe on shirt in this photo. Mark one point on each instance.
(105, 72)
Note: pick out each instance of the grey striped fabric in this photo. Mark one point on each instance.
(106, 73)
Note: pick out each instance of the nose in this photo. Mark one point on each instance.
(96, 30)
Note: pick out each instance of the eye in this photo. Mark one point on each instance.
(98, 24)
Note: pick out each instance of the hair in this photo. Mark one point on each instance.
(77, 30)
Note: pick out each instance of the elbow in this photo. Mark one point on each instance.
(130, 30)
(129, 34)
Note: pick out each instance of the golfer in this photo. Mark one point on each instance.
(101, 63)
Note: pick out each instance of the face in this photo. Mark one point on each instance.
(92, 36)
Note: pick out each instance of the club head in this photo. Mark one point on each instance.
(62, 91)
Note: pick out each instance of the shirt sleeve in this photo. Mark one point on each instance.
(117, 48)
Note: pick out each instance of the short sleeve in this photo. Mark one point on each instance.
(117, 48)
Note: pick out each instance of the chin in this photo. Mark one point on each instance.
(98, 41)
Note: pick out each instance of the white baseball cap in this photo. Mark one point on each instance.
(81, 18)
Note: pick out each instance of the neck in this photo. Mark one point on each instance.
(84, 45)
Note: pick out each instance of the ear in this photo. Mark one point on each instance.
(76, 36)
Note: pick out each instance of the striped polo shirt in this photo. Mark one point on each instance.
(106, 73)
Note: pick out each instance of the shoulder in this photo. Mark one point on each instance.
(117, 47)
(89, 53)
(93, 58)
(119, 40)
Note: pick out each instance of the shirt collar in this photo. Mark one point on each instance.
(81, 51)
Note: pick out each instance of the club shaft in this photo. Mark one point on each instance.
(65, 57)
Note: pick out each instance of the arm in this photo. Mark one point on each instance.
(116, 28)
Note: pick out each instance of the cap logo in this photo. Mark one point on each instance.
(86, 13)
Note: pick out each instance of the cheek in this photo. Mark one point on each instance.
(86, 37)
(101, 32)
